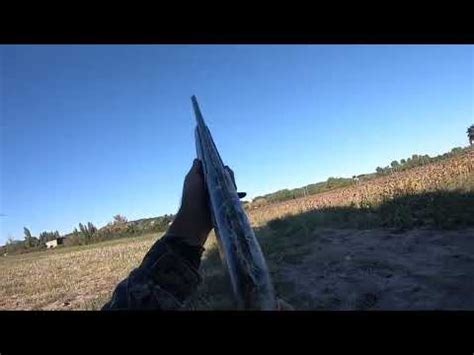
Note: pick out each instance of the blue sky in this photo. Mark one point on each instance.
(91, 131)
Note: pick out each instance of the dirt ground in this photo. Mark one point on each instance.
(384, 270)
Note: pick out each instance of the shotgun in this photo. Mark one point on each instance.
(239, 249)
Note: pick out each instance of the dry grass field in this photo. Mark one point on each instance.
(456, 173)
(403, 241)
(69, 278)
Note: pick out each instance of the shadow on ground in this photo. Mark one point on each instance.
(412, 252)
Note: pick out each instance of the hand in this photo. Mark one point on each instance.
(193, 220)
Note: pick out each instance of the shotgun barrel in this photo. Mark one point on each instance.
(239, 248)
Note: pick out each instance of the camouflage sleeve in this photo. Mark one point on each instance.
(167, 276)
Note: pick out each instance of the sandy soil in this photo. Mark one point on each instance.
(384, 270)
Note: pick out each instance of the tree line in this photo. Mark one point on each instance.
(87, 233)
(29, 243)
(336, 183)
(311, 189)
(416, 160)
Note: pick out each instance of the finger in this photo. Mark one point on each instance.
(199, 171)
(197, 165)
(196, 168)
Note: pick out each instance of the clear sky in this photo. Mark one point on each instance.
(91, 131)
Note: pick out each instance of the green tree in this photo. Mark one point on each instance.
(84, 233)
(91, 229)
(87, 232)
(120, 219)
(82, 229)
(30, 241)
(425, 159)
(470, 134)
(395, 165)
(27, 232)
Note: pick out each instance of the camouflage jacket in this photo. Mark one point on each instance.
(167, 276)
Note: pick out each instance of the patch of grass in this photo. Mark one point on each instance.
(96, 303)
(440, 209)
(80, 276)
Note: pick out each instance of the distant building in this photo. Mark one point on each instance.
(54, 243)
